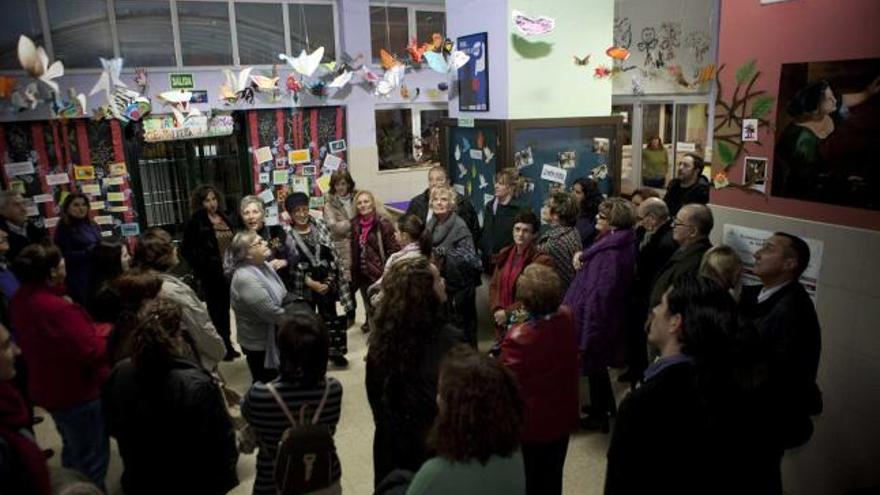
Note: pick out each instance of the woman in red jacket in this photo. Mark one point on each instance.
(372, 242)
(541, 350)
(65, 352)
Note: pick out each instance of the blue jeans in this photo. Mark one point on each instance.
(85, 444)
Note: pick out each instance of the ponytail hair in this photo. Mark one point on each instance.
(413, 226)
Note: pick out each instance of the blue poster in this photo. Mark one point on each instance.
(473, 77)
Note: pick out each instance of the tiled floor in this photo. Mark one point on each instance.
(584, 467)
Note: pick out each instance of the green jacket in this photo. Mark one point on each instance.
(499, 476)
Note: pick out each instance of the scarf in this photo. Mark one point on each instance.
(510, 270)
(275, 287)
(448, 233)
(366, 224)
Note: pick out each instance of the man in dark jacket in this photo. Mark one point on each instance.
(656, 248)
(14, 221)
(420, 205)
(690, 229)
(690, 186)
(789, 331)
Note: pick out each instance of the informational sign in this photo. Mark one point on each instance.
(465, 121)
(553, 174)
(746, 242)
(181, 81)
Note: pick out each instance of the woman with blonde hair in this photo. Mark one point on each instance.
(498, 216)
(372, 242)
(723, 265)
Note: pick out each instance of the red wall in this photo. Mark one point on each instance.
(793, 31)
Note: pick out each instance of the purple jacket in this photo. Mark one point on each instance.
(76, 243)
(598, 297)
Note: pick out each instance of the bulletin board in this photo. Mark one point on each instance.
(471, 156)
(551, 154)
(47, 160)
(295, 149)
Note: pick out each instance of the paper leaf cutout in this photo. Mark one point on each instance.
(746, 71)
(761, 106)
(725, 153)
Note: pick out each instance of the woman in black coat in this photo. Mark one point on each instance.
(205, 239)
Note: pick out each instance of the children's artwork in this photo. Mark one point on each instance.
(316, 202)
(523, 158)
(97, 205)
(305, 63)
(42, 198)
(19, 168)
(755, 173)
(331, 163)
(85, 172)
(476, 154)
(17, 186)
(117, 169)
(279, 177)
(267, 195)
(323, 183)
(300, 156)
(532, 25)
(263, 154)
(750, 130)
(104, 220)
(600, 145)
(265, 177)
(337, 146)
(567, 159)
(118, 209)
(130, 229)
(473, 77)
(113, 181)
(57, 179)
(300, 184)
(553, 174)
(115, 196)
(308, 170)
(91, 189)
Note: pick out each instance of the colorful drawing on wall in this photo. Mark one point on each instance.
(755, 173)
(827, 123)
(473, 77)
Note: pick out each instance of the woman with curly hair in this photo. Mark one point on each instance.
(76, 237)
(586, 196)
(409, 340)
(476, 433)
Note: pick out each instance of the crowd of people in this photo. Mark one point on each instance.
(114, 339)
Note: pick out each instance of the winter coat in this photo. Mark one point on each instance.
(23, 466)
(542, 353)
(173, 427)
(255, 313)
(17, 242)
(76, 243)
(531, 255)
(684, 261)
(200, 248)
(586, 228)
(678, 196)
(453, 248)
(560, 243)
(65, 350)
(196, 320)
(421, 205)
(497, 230)
(368, 263)
(598, 298)
(338, 218)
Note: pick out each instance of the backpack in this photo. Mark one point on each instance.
(304, 460)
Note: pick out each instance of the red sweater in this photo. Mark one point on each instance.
(543, 355)
(64, 349)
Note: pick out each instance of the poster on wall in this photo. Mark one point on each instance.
(473, 77)
(746, 242)
(827, 123)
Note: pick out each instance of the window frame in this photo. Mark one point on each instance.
(416, 110)
(411, 9)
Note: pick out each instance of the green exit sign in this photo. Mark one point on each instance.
(181, 81)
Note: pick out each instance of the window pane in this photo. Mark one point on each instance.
(430, 134)
(204, 33)
(389, 29)
(626, 162)
(15, 22)
(315, 23)
(428, 23)
(145, 35)
(657, 161)
(394, 138)
(260, 29)
(80, 32)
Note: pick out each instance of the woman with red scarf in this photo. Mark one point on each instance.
(372, 241)
(509, 264)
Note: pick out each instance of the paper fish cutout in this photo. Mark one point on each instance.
(473, 171)
(237, 87)
(462, 171)
(35, 62)
(581, 61)
(532, 26)
(305, 64)
(109, 79)
(488, 155)
(265, 84)
(329, 66)
(7, 86)
(602, 72)
(617, 53)
(483, 182)
(341, 80)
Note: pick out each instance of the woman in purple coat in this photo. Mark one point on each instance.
(598, 297)
(76, 237)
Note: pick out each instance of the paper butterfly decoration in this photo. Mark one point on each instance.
(532, 26)
(581, 61)
(34, 60)
(265, 84)
(305, 64)
(237, 87)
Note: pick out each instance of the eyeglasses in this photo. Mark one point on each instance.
(677, 223)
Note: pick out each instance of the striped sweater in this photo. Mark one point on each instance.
(263, 413)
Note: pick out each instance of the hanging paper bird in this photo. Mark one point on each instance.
(341, 80)
(34, 60)
(582, 62)
(488, 155)
(483, 183)
(304, 63)
(457, 152)
(617, 53)
(417, 50)
(180, 105)
(462, 171)
(109, 79)
(237, 87)
(532, 26)
(264, 84)
(391, 80)
(7, 86)
(388, 61)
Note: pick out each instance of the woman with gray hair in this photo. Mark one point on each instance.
(257, 294)
(282, 256)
